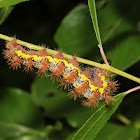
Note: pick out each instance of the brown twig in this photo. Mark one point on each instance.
(133, 89)
(103, 55)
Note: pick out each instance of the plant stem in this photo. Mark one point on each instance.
(92, 9)
(81, 60)
(133, 89)
(103, 55)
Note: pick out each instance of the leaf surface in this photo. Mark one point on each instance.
(57, 104)
(19, 116)
(115, 131)
(4, 12)
(95, 123)
(75, 35)
(6, 3)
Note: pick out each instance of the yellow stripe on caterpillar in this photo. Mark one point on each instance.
(35, 58)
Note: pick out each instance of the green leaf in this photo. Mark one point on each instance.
(52, 129)
(6, 3)
(119, 35)
(47, 95)
(113, 131)
(125, 51)
(18, 103)
(95, 123)
(92, 8)
(116, 28)
(78, 116)
(19, 115)
(15, 131)
(70, 136)
(75, 34)
(4, 12)
(57, 104)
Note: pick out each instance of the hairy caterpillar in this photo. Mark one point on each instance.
(90, 85)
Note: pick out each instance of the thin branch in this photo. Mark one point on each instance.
(133, 89)
(92, 9)
(103, 55)
(81, 60)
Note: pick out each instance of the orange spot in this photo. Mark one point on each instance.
(113, 85)
(31, 52)
(70, 78)
(97, 82)
(42, 52)
(29, 64)
(59, 70)
(87, 73)
(75, 62)
(92, 101)
(15, 62)
(99, 70)
(43, 67)
(72, 94)
(11, 45)
(79, 90)
(8, 53)
(108, 98)
(59, 55)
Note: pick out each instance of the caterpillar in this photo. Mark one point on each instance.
(91, 85)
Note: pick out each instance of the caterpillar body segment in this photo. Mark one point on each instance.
(90, 85)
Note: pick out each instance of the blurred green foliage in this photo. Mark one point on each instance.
(37, 109)
(6, 3)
